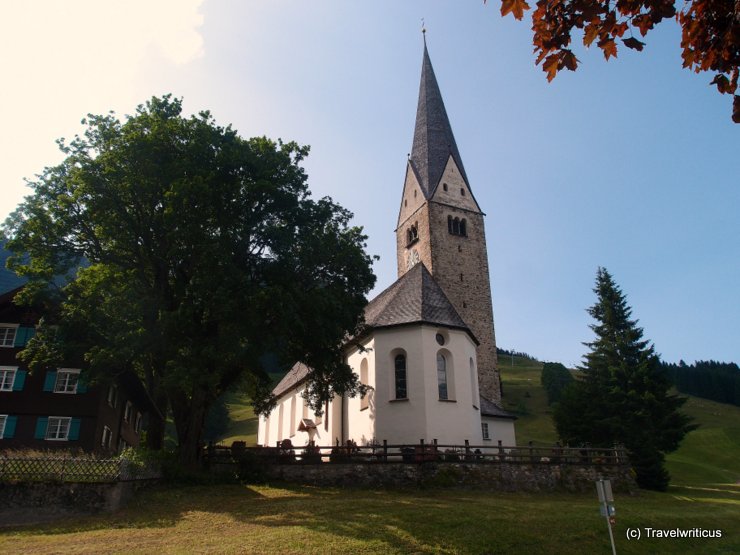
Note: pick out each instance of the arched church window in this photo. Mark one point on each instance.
(400, 377)
(463, 230)
(444, 186)
(474, 383)
(412, 234)
(449, 224)
(462, 191)
(365, 399)
(456, 226)
(442, 376)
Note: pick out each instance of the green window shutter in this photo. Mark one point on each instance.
(10, 427)
(23, 335)
(74, 429)
(82, 385)
(20, 380)
(41, 425)
(20, 337)
(51, 379)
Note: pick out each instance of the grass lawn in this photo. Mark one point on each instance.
(263, 519)
(705, 494)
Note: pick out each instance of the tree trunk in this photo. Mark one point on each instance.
(189, 414)
(155, 430)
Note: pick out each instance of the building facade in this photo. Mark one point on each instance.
(429, 353)
(56, 408)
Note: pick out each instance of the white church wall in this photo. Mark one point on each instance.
(399, 420)
(499, 429)
(423, 415)
(284, 420)
(360, 413)
(456, 419)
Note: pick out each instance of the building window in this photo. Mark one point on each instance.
(137, 423)
(444, 186)
(66, 381)
(58, 428)
(122, 444)
(442, 376)
(440, 339)
(3, 420)
(484, 429)
(456, 226)
(292, 415)
(365, 399)
(7, 378)
(107, 438)
(412, 234)
(400, 374)
(127, 411)
(7, 335)
(462, 191)
(474, 384)
(113, 396)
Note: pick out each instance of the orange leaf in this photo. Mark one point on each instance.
(722, 82)
(633, 43)
(515, 7)
(569, 60)
(590, 34)
(551, 66)
(609, 47)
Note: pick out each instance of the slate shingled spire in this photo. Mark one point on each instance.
(433, 138)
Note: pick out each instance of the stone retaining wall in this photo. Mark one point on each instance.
(493, 477)
(28, 502)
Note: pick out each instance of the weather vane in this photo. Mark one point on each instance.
(423, 28)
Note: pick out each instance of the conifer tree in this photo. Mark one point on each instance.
(623, 396)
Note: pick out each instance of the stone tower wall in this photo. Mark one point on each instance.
(448, 256)
(461, 269)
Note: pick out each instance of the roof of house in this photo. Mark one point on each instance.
(9, 281)
(489, 408)
(433, 139)
(295, 375)
(414, 298)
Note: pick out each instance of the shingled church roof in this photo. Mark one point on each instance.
(433, 139)
(415, 298)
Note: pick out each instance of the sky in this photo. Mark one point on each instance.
(632, 165)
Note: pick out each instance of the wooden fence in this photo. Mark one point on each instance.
(69, 469)
(286, 453)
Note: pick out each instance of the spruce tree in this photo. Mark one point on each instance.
(623, 396)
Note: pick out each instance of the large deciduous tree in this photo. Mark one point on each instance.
(203, 251)
(710, 38)
(623, 396)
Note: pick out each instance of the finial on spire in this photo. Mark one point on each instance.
(423, 30)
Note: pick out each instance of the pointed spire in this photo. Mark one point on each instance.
(433, 138)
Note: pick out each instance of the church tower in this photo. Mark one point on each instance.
(441, 225)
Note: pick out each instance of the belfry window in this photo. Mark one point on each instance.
(412, 234)
(456, 226)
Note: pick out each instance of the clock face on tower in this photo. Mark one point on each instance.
(412, 258)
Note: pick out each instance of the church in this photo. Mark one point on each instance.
(429, 352)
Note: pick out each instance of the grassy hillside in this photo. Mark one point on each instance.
(709, 455)
(243, 425)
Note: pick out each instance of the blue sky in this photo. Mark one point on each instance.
(631, 164)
